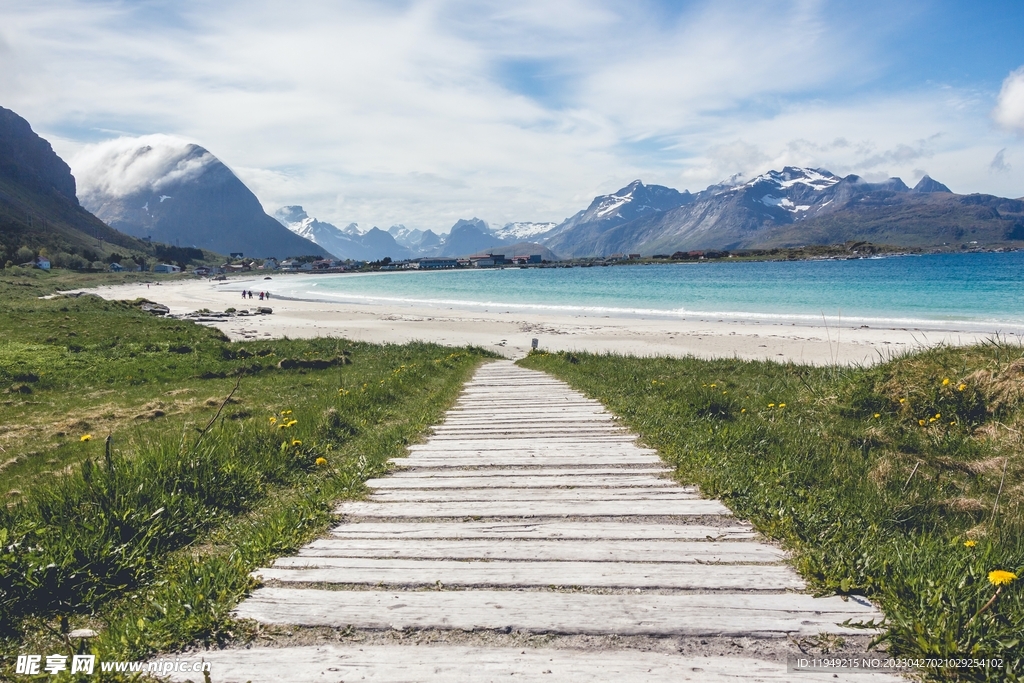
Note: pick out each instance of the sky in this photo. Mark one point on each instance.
(424, 112)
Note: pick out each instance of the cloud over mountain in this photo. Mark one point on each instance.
(174, 191)
(123, 166)
(1009, 111)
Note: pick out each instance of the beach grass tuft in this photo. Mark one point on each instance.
(902, 482)
(154, 464)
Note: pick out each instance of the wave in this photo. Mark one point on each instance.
(803, 319)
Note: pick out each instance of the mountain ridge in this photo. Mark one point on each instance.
(176, 192)
(792, 207)
(39, 207)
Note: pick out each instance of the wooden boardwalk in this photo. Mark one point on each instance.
(532, 511)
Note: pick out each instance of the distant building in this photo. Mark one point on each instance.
(236, 254)
(166, 268)
(117, 268)
(42, 262)
(486, 260)
(633, 257)
(269, 264)
(436, 263)
(201, 271)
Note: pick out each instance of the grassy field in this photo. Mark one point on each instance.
(148, 465)
(902, 482)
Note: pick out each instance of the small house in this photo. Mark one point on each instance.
(166, 268)
(117, 268)
(42, 263)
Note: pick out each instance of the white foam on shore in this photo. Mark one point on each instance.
(984, 326)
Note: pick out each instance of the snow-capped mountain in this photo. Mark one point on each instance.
(417, 241)
(784, 208)
(583, 233)
(344, 243)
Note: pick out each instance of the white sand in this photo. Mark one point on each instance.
(510, 333)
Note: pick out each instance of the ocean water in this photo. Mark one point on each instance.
(977, 292)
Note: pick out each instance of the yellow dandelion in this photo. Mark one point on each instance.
(286, 412)
(782, 405)
(743, 410)
(273, 420)
(724, 393)
(877, 415)
(320, 462)
(902, 401)
(921, 422)
(713, 386)
(970, 544)
(292, 422)
(282, 425)
(343, 392)
(771, 405)
(938, 416)
(952, 424)
(945, 382)
(961, 387)
(999, 577)
(86, 437)
(296, 442)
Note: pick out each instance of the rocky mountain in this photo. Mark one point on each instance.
(415, 240)
(926, 184)
(469, 237)
(791, 207)
(176, 192)
(38, 205)
(343, 243)
(584, 234)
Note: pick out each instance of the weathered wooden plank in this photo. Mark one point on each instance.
(403, 572)
(537, 481)
(440, 463)
(554, 529)
(524, 473)
(443, 495)
(616, 508)
(498, 443)
(709, 614)
(336, 663)
(605, 550)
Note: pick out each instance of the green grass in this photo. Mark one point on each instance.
(149, 538)
(881, 481)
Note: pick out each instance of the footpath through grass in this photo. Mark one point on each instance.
(220, 457)
(901, 482)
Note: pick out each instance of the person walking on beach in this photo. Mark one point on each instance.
(261, 296)
(250, 293)
(243, 293)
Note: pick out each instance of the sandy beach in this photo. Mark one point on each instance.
(510, 332)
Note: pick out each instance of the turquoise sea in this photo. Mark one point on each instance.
(977, 292)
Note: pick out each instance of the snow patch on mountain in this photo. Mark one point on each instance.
(522, 230)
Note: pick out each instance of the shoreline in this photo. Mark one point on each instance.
(509, 332)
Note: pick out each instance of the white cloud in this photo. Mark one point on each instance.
(123, 166)
(1009, 111)
(385, 113)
